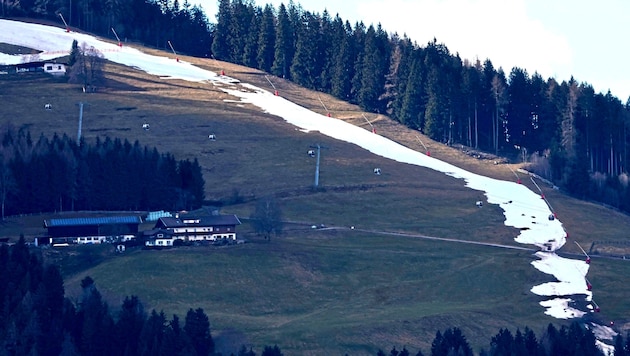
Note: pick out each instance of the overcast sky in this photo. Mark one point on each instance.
(556, 38)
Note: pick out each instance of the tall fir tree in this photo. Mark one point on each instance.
(283, 45)
(373, 69)
(197, 328)
(250, 52)
(221, 34)
(303, 68)
(266, 39)
(343, 67)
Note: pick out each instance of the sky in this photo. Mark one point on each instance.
(522, 208)
(558, 38)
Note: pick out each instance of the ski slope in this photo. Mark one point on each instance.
(522, 208)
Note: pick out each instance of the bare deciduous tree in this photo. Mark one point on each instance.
(88, 68)
(267, 218)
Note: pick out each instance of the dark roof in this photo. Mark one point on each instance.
(153, 232)
(107, 220)
(212, 220)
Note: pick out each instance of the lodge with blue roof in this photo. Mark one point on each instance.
(91, 229)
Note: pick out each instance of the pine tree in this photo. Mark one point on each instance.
(358, 44)
(239, 29)
(74, 53)
(499, 92)
(451, 342)
(221, 34)
(49, 309)
(343, 68)
(197, 328)
(438, 114)
(252, 38)
(93, 321)
(272, 351)
(153, 339)
(519, 109)
(412, 107)
(131, 320)
(502, 343)
(470, 91)
(266, 40)
(373, 68)
(531, 344)
(397, 76)
(283, 45)
(303, 69)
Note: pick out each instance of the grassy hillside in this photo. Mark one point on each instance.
(336, 292)
(311, 292)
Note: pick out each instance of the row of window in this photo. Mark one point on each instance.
(169, 242)
(199, 229)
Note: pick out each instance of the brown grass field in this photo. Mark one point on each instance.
(255, 155)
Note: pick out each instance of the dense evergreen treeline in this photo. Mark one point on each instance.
(37, 319)
(568, 341)
(570, 134)
(59, 175)
(153, 22)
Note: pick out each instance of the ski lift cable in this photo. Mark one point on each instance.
(273, 86)
(320, 100)
(117, 38)
(516, 175)
(368, 121)
(542, 195)
(597, 309)
(115, 34)
(422, 143)
(584, 252)
(172, 49)
(64, 21)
